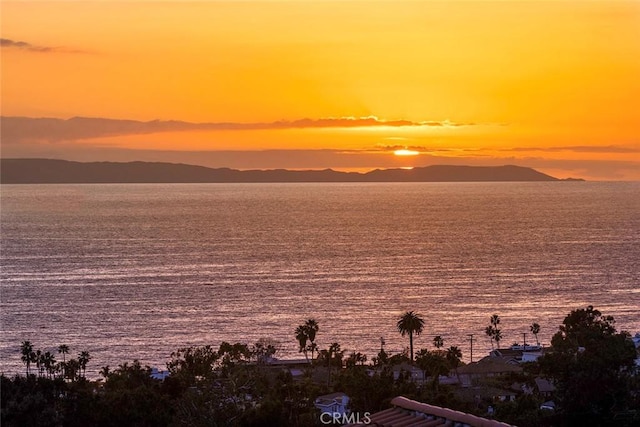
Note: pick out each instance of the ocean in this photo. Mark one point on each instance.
(136, 271)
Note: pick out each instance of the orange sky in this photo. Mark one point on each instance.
(548, 84)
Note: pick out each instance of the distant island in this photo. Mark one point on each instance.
(49, 171)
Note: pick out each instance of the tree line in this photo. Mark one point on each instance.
(591, 364)
(46, 364)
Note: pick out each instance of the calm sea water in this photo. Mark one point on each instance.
(137, 271)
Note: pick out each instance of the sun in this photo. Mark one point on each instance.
(405, 152)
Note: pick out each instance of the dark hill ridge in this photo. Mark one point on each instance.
(47, 171)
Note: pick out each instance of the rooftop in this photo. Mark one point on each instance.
(489, 365)
(544, 385)
(331, 397)
(409, 413)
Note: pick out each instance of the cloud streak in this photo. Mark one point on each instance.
(8, 43)
(19, 129)
(22, 45)
(580, 149)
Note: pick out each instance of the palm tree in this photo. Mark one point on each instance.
(497, 336)
(64, 349)
(495, 320)
(302, 337)
(438, 342)
(454, 357)
(49, 362)
(71, 369)
(83, 359)
(312, 347)
(490, 333)
(28, 355)
(355, 359)
(307, 332)
(410, 324)
(333, 355)
(492, 330)
(105, 372)
(312, 328)
(38, 358)
(535, 330)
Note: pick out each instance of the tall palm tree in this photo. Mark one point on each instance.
(492, 330)
(490, 333)
(28, 355)
(72, 369)
(302, 337)
(39, 362)
(495, 321)
(497, 333)
(497, 336)
(49, 362)
(64, 349)
(83, 359)
(312, 329)
(410, 324)
(535, 330)
(454, 357)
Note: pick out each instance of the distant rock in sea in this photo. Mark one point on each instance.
(49, 171)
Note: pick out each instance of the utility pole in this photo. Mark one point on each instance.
(524, 341)
(471, 341)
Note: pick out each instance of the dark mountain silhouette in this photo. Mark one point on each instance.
(32, 171)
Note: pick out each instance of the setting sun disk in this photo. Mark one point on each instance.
(405, 152)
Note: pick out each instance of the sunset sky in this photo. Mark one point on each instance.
(553, 85)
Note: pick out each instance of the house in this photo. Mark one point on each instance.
(295, 367)
(486, 394)
(411, 372)
(518, 353)
(288, 363)
(486, 367)
(531, 356)
(507, 355)
(333, 404)
(406, 412)
(544, 387)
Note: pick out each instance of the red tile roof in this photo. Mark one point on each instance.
(409, 413)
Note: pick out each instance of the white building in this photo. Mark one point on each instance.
(157, 374)
(333, 404)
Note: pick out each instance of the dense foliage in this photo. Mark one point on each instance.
(593, 368)
(590, 363)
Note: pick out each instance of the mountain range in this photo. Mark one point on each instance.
(50, 171)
